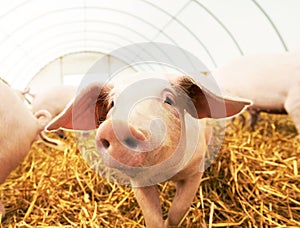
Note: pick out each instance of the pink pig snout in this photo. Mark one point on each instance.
(121, 144)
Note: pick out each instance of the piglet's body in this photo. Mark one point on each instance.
(152, 127)
(271, 81)
(19, 128)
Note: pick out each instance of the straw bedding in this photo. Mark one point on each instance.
(254, 182)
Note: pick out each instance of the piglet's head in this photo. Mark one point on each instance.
(143, 122)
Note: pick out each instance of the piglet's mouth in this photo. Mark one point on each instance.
(112, 163)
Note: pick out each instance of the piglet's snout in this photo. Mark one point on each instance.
(122, 143)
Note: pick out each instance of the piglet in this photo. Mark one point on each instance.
(19, 129)
(151, 127)
(271, 81)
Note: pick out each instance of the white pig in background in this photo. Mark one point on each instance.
(153, 128)
(53, 98)
(271, 81)
(19, 128)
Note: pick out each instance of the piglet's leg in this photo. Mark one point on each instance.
(148, 199)
(185, 193)
(2, 210)
(254, 115)
(292, 105)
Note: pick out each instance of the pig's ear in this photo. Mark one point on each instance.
(207, 104)
(85, 112)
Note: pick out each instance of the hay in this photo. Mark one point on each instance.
(254, 182)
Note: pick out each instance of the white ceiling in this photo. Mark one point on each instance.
(34, 32)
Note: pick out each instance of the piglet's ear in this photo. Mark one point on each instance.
(207, 104)
(85, 112)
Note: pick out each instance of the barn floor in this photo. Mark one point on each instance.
(254, 182)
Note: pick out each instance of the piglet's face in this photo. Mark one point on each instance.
(144, 126)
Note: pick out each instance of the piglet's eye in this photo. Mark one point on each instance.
(112, 104)
(169, 101)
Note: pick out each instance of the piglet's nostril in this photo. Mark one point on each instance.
(105, 143)
(131, 142)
